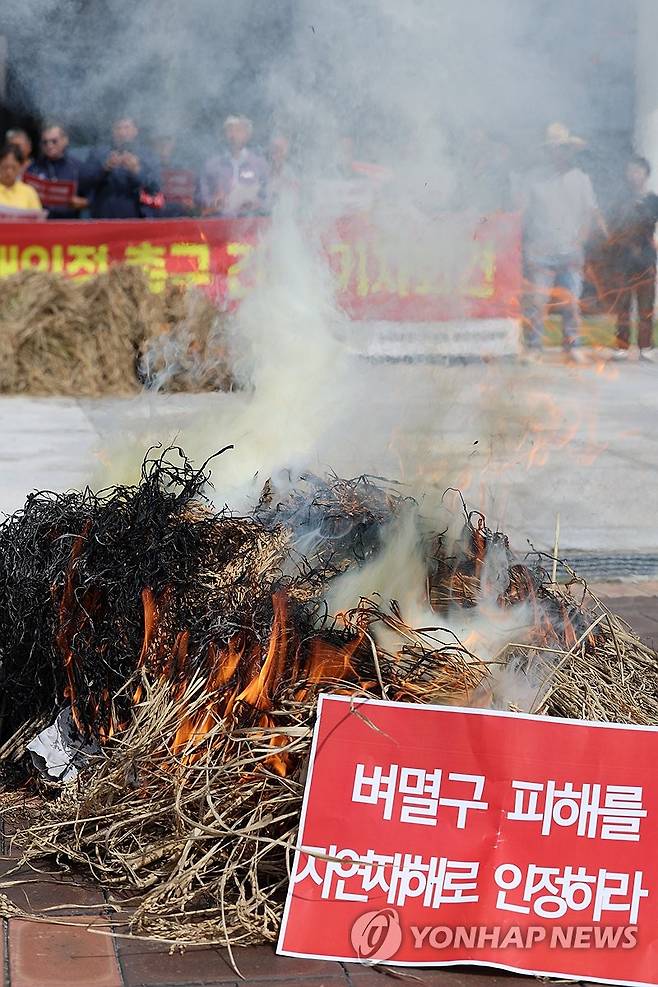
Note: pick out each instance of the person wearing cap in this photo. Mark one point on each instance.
(559, 211)
(234, 182)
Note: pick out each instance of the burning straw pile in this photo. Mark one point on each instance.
(107, 336)
(190, 646)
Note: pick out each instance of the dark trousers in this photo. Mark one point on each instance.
(642, 286)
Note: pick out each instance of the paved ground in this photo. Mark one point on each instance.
(522, 442)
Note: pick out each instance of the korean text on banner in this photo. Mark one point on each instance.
(433, 835)
(215, 255)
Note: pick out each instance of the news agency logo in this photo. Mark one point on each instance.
(376, 936)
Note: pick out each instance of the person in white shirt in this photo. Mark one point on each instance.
(559, 211)
(234, 182)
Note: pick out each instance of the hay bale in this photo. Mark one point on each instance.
(190, 352)
(66, 338)
(62, 338)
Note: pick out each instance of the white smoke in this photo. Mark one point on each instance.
(296, 381)
(516, 678)
(415, 83)
(299, 383)
(520, 682)
(398, 572)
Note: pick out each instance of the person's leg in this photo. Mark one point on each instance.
(622, 303)
(646, 296)
(569, 282)
(541, 278)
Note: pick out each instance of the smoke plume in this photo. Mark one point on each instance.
(452, 98)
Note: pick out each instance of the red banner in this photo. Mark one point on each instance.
(375, 277)
(444, 268)
(437, 836)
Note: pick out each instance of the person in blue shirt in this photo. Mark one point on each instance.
(55, 164)
(122, 178)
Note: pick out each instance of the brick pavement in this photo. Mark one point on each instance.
(74, 949)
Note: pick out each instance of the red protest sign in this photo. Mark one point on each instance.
(51, 193)
(439, 836)
(178, 185)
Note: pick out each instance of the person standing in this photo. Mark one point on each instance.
(21, 139)
(15, 195)
(55, 164)
(559, 211)
(178, 180)
(122, 179)
(283, 177)
(633, 259)
(234, 182)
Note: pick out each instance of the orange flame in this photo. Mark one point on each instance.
(259, 691)
(241, 677)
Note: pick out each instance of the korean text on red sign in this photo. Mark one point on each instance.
(433, 835)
